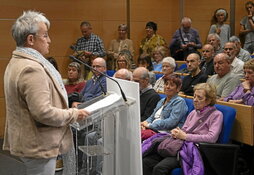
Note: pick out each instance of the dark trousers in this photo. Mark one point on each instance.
(156, 165)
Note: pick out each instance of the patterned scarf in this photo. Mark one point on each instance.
(51, 69)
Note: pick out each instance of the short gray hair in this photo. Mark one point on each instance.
(234, 39)
(27, 23)
(214, 35)
(169, 60)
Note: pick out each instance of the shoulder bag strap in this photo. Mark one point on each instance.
(208, 113)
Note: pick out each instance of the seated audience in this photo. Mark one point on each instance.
(224, 80)
(145, 61)
(236, 64)
(219, 27)
(168, 67)
(206, 131)
(117, 45)
(170, 112)
(151, 40)
(244, 93)
(148, 97)
(241, 54)
(214, 40)
(196, 75)
(207, 59)
(124, 74)
(159, 53)
(186, 40)
(123, 60)
(74, 82)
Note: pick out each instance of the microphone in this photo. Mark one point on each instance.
(90, 67)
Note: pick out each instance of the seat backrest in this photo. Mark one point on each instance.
(111, 72)
(189, 103)
(157, 76)
(229, 114)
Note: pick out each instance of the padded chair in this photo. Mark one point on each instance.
(219, 158)
(157, 76)
(182, 67)
(111, 72)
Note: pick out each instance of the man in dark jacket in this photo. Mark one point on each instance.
(148, 96)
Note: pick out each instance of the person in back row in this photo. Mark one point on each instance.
(214, 40)
(224, 80)
(196, 75)
(236, 64)
(186, 40)
(241, 53)
(148, 97)
(151, 40)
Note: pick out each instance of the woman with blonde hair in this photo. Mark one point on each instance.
(159, 53)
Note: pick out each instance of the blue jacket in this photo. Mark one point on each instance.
(173, 113)
(93, 88)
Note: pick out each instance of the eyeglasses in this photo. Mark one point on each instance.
(97, 66)
(121, 61)
(45, 35)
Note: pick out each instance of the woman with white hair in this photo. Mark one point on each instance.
(219, 27)
(168, 67)
(38, 120)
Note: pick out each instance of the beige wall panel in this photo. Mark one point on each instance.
(2, 116)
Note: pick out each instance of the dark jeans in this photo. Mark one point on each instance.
(156, 165)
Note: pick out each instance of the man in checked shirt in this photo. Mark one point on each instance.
(90, 46)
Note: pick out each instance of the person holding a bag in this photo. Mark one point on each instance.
(203, 124)
(169, 113)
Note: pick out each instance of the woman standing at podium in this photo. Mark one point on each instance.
(37, 115)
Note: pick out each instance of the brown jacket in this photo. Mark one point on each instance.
(37, 116)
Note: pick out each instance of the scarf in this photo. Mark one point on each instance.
(51, 69)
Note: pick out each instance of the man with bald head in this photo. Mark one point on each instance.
(224, 80)
(124, 74)
(186, 40)
(196, 75)
(148, 96)
(207, 56)
(97, 84)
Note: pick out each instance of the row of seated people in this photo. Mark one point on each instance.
(148, 96)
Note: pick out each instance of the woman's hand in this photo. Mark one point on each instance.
(82, 114)
(177, 133)
(144, 125)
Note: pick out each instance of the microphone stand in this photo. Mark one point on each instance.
(90, 67)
